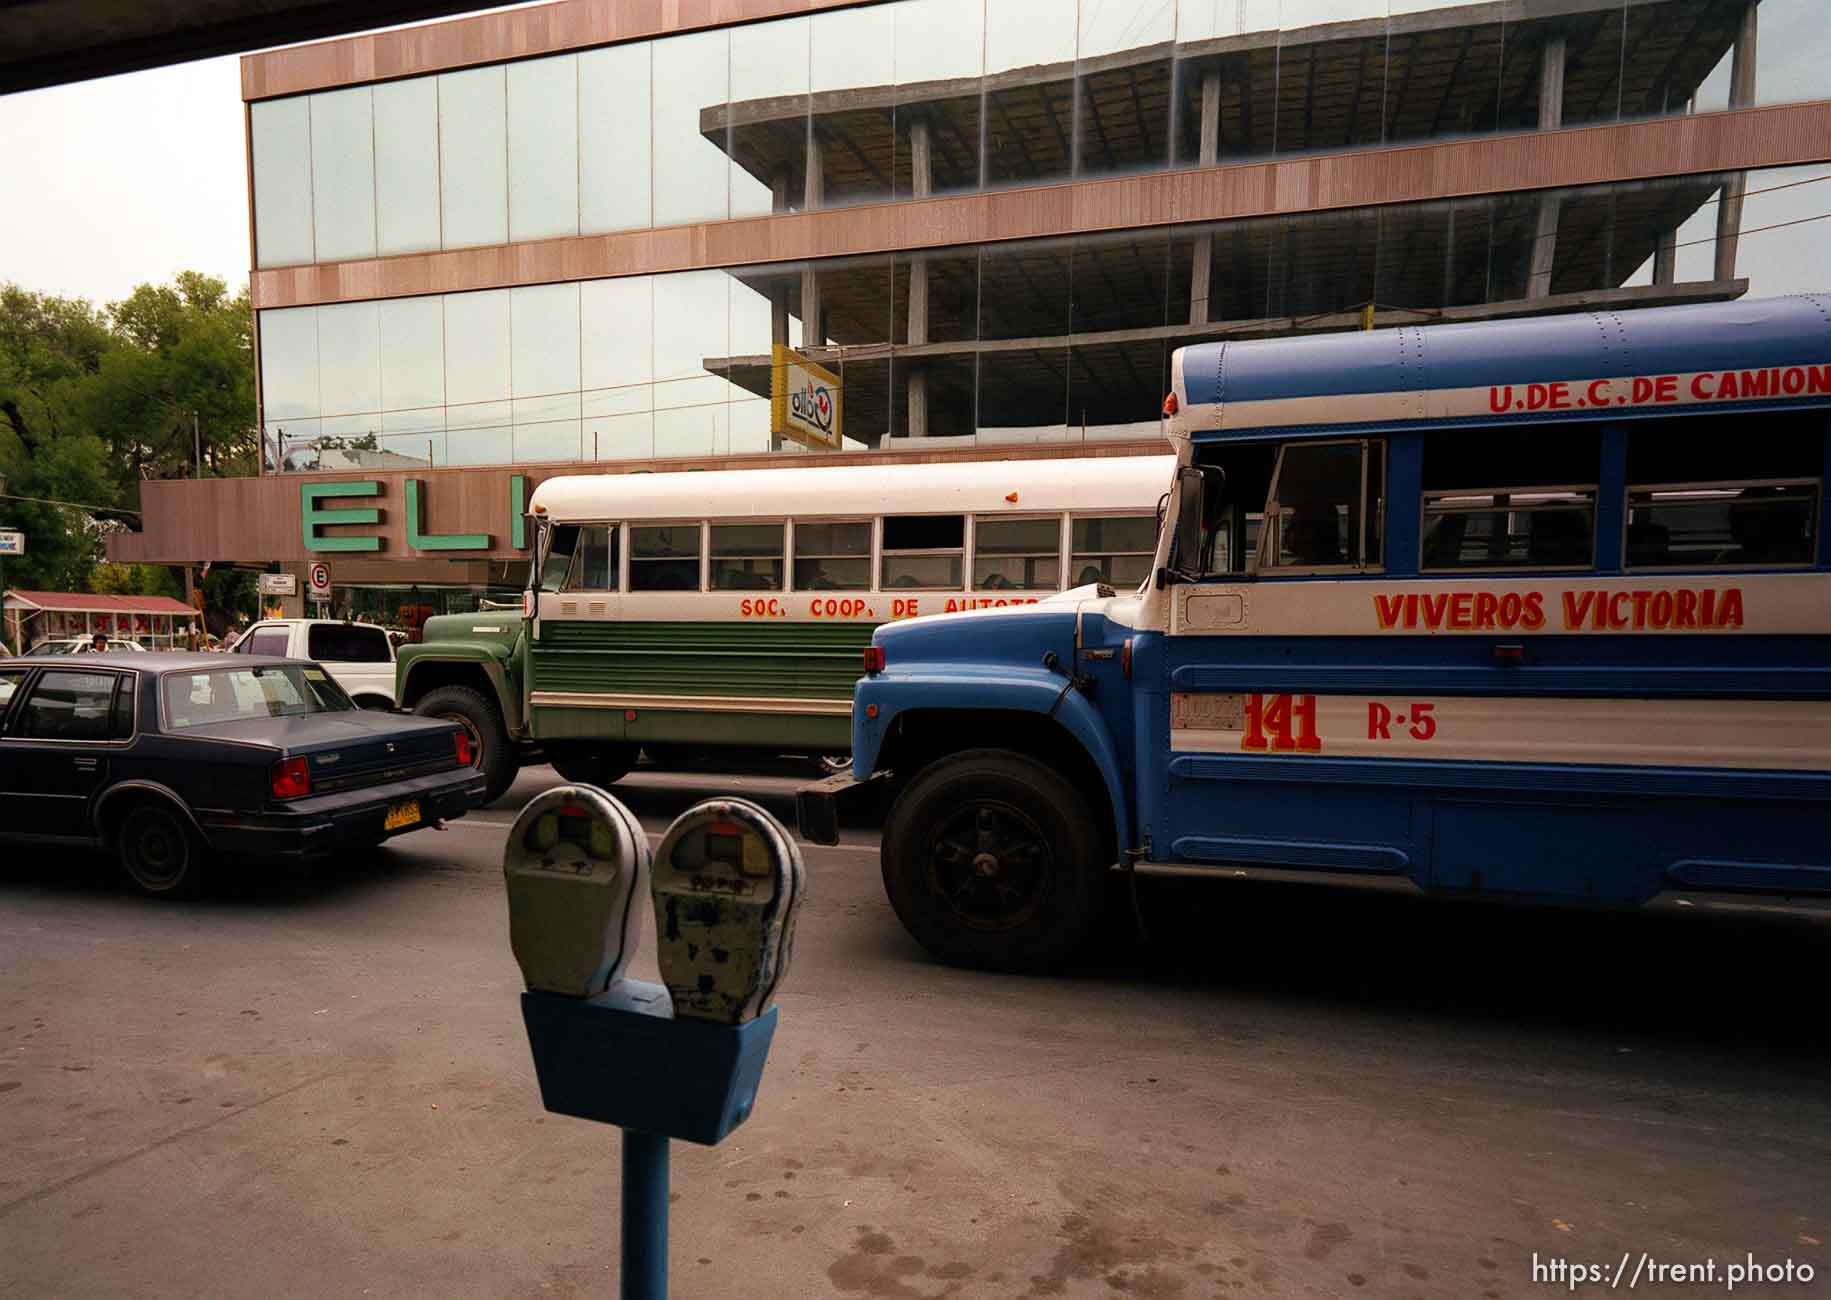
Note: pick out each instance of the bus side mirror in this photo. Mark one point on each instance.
(1186, 547)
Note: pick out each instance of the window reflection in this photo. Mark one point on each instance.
(281, 131)
(691, 80)
(407, 166)
(343, 174)
(614, 139)
(473, 157)
(543, 148)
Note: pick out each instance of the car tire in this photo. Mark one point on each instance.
(992, 860)
(493, 754)
(600, 765)
(160, 852)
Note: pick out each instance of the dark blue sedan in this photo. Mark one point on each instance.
(173, 762)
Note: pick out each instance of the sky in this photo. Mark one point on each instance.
(125, 180)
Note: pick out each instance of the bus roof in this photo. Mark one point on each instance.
(1767, 353)
(839, 491)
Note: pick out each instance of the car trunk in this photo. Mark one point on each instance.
(351, 748)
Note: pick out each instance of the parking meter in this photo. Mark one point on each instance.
(728, 882)
(680, 1061)
(576, 862)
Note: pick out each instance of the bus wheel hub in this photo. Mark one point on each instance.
(985, 864)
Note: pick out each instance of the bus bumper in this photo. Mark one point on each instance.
(819, 807)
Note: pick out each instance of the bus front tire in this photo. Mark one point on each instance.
(489, 739)
(601, 765)
(992, 860)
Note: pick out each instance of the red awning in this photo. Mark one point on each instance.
(82, 602)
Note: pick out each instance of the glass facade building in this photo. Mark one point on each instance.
(395, 217)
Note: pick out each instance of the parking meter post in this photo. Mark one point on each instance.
(644, 1216)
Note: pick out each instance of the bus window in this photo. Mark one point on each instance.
(1114, 549)
(1498, 499)
(923, 551)
(1017, 554)
(1740, 524)
(664, 557)
(1699, 495)
(1325, 507)
(1528, 528)
(746, 557)
(562, 541)
(594, 565)
(833, 556)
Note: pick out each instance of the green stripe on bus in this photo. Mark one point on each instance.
(783, 660)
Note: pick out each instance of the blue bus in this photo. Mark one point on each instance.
(1533, 609)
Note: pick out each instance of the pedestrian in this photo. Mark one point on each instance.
(98, 643)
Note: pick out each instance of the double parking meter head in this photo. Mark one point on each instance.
(727, 881)
(577, 861)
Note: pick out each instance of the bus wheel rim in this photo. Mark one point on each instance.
(990, 865)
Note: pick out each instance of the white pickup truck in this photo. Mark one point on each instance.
(358, 656)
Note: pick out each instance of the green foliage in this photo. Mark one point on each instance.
(92, 402)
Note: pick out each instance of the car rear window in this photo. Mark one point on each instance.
(346, 643)
(199, 699)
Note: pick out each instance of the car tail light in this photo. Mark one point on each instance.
(292, 777)
(462, 740)
(874, 659)
(527, 603)
(1125, 657)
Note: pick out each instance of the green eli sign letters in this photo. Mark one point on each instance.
(315, 515)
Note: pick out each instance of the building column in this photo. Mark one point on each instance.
(921, 185)
(1551, 117)
(1665, 257)
(813, 197)
(1202, 270)
(1741, 95)
(778, 289)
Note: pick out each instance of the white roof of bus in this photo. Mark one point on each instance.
(1083, 483)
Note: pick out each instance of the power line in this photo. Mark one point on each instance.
(74, 505)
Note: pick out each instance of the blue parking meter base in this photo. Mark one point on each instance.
(623, 1058)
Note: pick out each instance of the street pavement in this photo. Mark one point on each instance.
(317, 1084)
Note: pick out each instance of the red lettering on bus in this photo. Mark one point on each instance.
(1433, 607)
(1685, 612)
(1459, 610)
(1533, 617)
(1500, 398)
(1387, 608)
(1640, 608)
(1665, 389)
(1818, 379)
(1487, 605)
(1379, 721)
(1730, 615)
(1662, 609)
(1576, 608)
(1698, 390)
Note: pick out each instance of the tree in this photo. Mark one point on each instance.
(50, 348)
(158, 385)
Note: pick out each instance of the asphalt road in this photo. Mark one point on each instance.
(318, 1085)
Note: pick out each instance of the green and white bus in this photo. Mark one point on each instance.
(733, 607)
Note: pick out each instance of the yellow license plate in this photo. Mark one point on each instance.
(404, 813)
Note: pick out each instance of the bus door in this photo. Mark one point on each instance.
(1285, 531)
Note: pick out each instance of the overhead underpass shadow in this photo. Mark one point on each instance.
(1732, 980)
